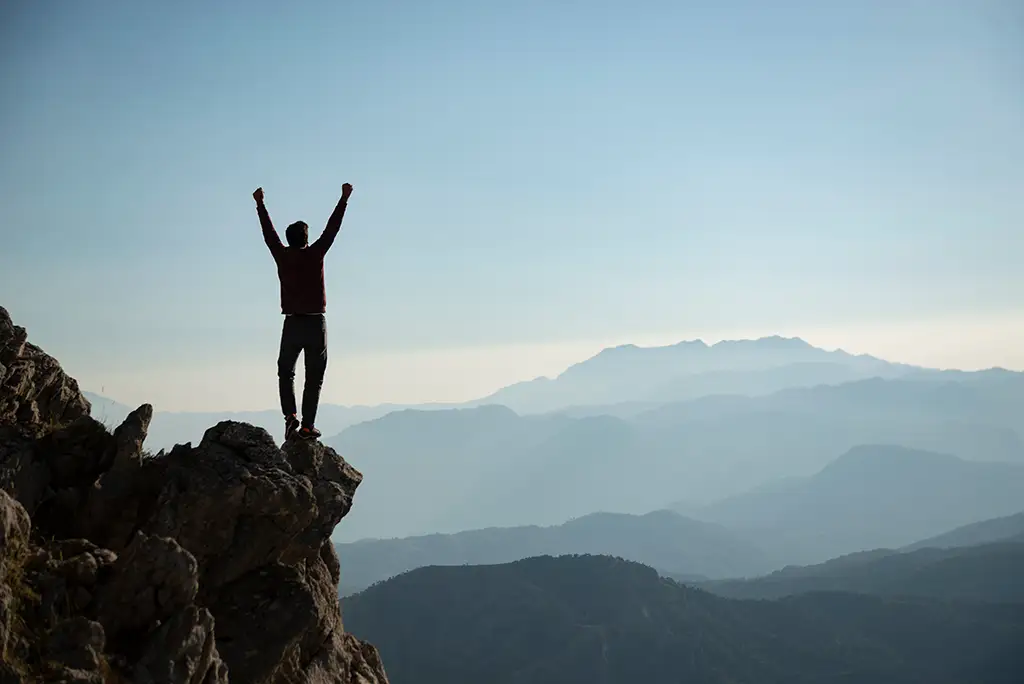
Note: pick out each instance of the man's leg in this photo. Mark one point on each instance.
(315, 360)
(291, 345)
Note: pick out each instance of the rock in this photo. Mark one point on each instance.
(129, 436)
(77, 453)
(264, 561)
(105, 506)
(9, 674)
(15, 524)
(54, 602)
(69, 548)
(23, 474)
(233, 502)
(334, 483)
(348, 660)
(329, 555)
(280, 598)
(77, 643)
(81, 598)
(152, 580)
(35, 393)
(182, 651)
(81, 570)
(204, 565)
(112, 508)
(67, 675)
(14, 532)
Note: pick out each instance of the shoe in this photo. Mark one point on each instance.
(308, 432)
(291, 426)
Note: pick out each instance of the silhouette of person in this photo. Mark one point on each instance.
(300, 268)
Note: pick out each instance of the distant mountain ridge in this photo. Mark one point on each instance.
(662, 539)
(1008, 528)
(995, 397)
(468, 468)
(690, 369)
(872, 497)
(615, 377)
(984, 572)
(471, 468)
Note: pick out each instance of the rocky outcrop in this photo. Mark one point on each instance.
(35, 393)
(207, 564)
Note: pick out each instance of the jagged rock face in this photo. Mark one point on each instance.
(34, 390)
(14, 532)
(204, 565)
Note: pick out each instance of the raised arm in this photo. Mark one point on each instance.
(326, 239)
(270, 235)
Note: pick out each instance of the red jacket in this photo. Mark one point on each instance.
(301, 269)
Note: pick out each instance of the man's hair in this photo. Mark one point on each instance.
(297, 234)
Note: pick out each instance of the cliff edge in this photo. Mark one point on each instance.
(204, 565)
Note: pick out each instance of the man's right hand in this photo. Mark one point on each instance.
(346, 191)
(258, 195)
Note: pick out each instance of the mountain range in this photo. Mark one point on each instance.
(691, 369)
(871, 498)
(471, 468)
(661, 539)
(586, 619)
(622, 380)
(760, 411)
(985, 572)
(1008, 528)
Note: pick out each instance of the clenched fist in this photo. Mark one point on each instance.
(346, 191)
(258, 195)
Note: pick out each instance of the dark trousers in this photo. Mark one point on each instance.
(307, 334)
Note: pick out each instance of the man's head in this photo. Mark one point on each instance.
(297, 234)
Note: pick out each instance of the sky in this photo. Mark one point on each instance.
(533, 181)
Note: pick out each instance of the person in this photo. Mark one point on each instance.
(300, 268)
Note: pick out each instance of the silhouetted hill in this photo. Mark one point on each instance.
(988, 572)
(1009, 528)
(690, 369)
(871, 497)
(586, 619)
(478, 465)
(663, 539)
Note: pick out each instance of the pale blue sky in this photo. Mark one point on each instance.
(533, 179)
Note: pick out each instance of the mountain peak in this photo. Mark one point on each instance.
(629, 373)
(698, 344)
(773, 342)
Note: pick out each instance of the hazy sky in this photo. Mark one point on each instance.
(534, 180)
